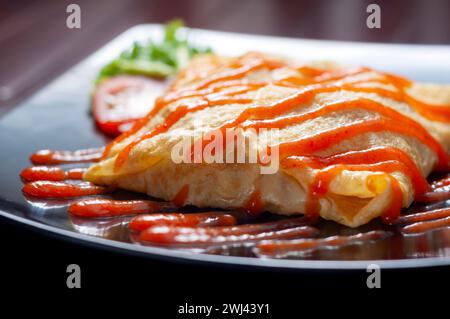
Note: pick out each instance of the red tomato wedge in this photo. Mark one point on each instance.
(121, 100)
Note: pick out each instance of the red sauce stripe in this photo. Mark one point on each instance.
(102, 207)
(51, 189)
(421, 227)
(423, 216)
(207, 219)
(50, 173)
(166, 235)
(282, 248)
(49, 157)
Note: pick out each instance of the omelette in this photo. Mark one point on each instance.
(351, 143)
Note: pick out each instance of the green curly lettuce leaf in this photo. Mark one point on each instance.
(154, 59)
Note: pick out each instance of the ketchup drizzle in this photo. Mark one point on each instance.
(192, 229)
(421, 227)
(102, 207)
(434, 196)
(207, 219)
(167, 235)
(423, 216)
(180, 198)
(51, 189)
(49, 157)
(279, 248)
(51, 173)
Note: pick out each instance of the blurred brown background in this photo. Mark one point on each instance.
(36, 45)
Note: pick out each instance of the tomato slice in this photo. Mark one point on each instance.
(121, 100)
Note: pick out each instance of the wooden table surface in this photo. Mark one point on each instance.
(36, 45)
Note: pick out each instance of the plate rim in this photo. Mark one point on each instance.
(262, 263)
(285, 38)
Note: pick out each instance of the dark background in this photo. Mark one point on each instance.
(36, 46)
